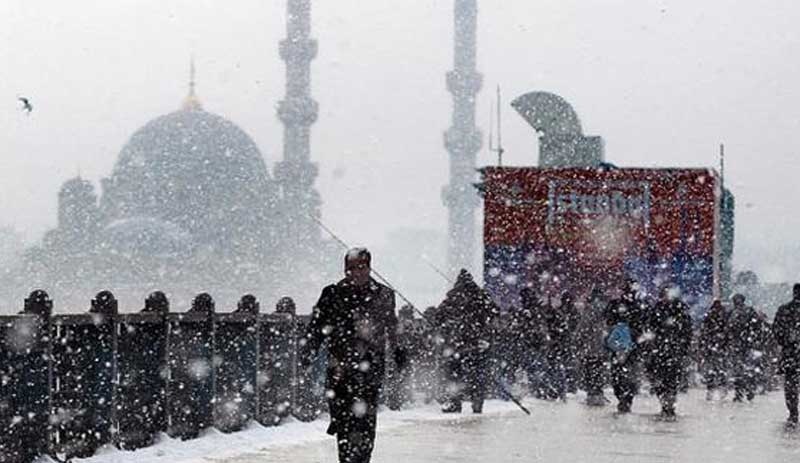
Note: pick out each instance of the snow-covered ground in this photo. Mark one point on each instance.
(705, 432)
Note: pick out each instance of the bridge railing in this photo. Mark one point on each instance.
(72, 383)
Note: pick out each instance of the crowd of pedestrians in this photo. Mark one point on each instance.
(467, 349)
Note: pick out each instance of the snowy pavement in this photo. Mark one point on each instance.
(705, 432)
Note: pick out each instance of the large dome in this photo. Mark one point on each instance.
(194, 169)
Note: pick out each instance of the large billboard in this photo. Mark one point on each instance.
(576, 229)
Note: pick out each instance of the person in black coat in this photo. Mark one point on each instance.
(786, 329)
(529, 333)
(766, 355)
(629, 310)
(508, 351)
(592, 351)
(410, 340)
(671, 328)
(713, 346)
(467, 317)
(562, 327)
(356, 316)
(744, 336)
(431, 371)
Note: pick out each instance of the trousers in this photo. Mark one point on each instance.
(790, 389)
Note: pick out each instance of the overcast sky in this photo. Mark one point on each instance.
(664, 82)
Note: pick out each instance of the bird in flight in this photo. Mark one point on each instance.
(26, 104)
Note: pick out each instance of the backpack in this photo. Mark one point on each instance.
(620, 339)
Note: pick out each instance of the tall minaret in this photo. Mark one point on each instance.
(295, 174)
(463, 139)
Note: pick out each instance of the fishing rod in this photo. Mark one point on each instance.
(374, 271)
(436, 269)
(498, 384)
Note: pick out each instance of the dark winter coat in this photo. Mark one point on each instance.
(410, 340)
(786, 330)
(529, 327)
(744, 332)
(671, 329)
(467, 316)
(592, 330)
(359, 323)
(714, 333)
(562, 326)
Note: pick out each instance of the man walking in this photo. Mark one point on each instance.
(467, 316)
(744, 336)
(592, 333)
(625, 318)
(356, 318)
(713, 349)
(671, 329)
(400, 389)
(562, 325)
(530, 335)
(787, 335)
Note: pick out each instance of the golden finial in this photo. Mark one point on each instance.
(191, 103)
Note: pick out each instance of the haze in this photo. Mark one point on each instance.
(664, 82)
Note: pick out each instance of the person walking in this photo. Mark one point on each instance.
(562, 325)
(744, 334)
(409, 342)
(356, 317)
(592, 351)
(468, 317)
(713, 347)
(671, 327)
(625, 319)
(786, 329)
(530, 334)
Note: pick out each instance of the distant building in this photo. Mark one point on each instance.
(576, 222)
(190, 203)
(191, 206)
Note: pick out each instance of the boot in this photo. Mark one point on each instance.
(477, 407)
(791, 422)
(624, 406)
(453, 407)
(668, 413)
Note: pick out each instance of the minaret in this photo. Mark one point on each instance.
(295, 174)
(463, 139)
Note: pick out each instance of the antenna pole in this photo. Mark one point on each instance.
(499, 147)
(491, 127)
(499, 130)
